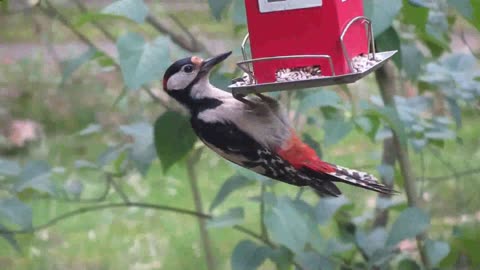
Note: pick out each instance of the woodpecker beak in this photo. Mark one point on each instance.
(208, 64)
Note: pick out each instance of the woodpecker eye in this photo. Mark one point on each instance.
(188, 69)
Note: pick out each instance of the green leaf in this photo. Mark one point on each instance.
(287, 226)
(408, 264)
(328, 206)
(90, 129)
(74, 187)
(282, 258)
(71, 65)
(320, 99)
(372, 242)
(135, 10)
(9, 168)
(444, 134)
(390, 116)
(476, 14)
(16, 212)
(232, 217)
(173, 138)
(142, 62)
(382, 13)
(35, 175)
(85, 164)
(310, 141)
(142, 151)
(10, 238)
(233, 183)
(410, 223)
(390, 41)
(336, 130)
(313, 261)
(217, 7)
(111, 154)
(239, 13)
(88, 17)
(387, 172)
(415, 14)
(455, 111)
(247, 255)
(463, 6)
(412, 59)
(436, 251)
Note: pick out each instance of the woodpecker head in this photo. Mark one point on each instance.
(188, 79)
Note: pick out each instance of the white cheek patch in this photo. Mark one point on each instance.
(180, 80)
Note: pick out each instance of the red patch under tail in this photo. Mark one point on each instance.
(299, 154)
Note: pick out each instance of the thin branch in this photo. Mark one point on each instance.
(177, 39)
(383, 74)
(445, 163)
(196, 43)
(464, 40)
(100, 198)
(53, 13)
(87, 209)
(457, 175)
(100, 27)
(197, 199)
(118, 189)
(263, 228)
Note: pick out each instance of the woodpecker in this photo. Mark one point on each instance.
(254, 132)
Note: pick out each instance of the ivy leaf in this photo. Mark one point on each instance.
(311, 261)
(141, 62)
(408, 264)
(71, 65)
(382, 13)
(232, 217)
(247, 255)
(239, 13)
(16, 212)
(173, 138)
(35, 175)
(9, 168)
(372, 242)
(463, 6)
(90, 129)
(390, 116)
(320, 99)
(288, 226)
(436, 251)
(412, 59)
(387, 172)
(328, 206)
(10, 238)
(336, 130)
(390, 41)
(410, 223)
(233, 183)
(217, 7)
(142, 151)
(135, 10)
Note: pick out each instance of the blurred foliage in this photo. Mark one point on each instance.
(301, 232)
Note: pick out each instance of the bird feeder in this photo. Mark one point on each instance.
(296, 44)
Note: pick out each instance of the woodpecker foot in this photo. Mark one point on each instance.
(243, 99)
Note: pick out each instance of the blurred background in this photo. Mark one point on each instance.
(93, 153)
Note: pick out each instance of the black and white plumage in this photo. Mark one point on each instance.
(254, 133)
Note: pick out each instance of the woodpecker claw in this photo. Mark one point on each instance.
(243, 99)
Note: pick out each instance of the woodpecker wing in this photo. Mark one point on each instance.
(238, 147)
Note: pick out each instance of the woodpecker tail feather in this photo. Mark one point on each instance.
(359, 179)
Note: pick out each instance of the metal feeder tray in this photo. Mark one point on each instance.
(245, 65)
